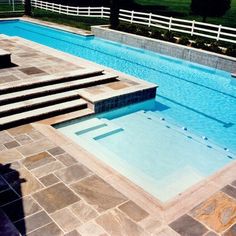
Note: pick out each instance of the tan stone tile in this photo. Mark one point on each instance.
(5, 138)
(167, 231)
(66, 159)
(55, 197)
(36, 147)
(83, 211)
(23, 181)
(31, 223)
(135, 212)
(73, 173)
(23, 139)
(36, 135)
(9, 156)
(151, 224)
(73, 233)
(56, 151)
(11, 145)
(98, 193)
(48, 230)
(37, 160)
(2, 147)
(186, 225)
(47, 169)
(218, 212)
(49, 180)
(20, 130)
(91, 229)
(231, 231)
(116, 223)
(66, 220)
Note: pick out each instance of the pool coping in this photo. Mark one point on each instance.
(168, 211)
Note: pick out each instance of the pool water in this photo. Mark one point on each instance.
(200, 98)
(160, 157)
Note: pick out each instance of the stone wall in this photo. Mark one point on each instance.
(170, 49)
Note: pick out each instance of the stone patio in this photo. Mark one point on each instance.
(46, 191)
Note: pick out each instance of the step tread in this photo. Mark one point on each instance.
(53, 87)
(50, 78)
(37, 101)
(42, 111)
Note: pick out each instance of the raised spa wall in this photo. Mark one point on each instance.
(203, 57)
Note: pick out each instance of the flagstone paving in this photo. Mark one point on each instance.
(37, 198)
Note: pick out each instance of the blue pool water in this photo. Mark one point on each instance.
(160, 157)
(200, 98)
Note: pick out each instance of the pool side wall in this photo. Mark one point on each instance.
(203, 57)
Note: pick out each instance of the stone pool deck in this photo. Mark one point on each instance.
(51, 186)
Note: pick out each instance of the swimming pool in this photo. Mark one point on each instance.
(197, 97)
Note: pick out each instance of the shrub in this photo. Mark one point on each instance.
(199, 43)
(144, 31)
(156, 34)
(184, 40)
(231, 51)
(214, 47)
(169, 36)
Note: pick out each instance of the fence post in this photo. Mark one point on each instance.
(102, 12)
(150, 19)
(170, 23)
(77, 11)
(131, 17)
(46, 6)
(88, 11)
(192, 30)
(41, 4)
(67, 9)
(13, 5)
(218, 34)
(60, 9)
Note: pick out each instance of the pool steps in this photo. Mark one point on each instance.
(36, 114)
(44, 97)
(95, 128)
(48, 79)
(56, 88)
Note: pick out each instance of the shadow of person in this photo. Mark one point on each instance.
(11, 204)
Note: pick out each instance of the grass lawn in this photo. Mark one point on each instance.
(183, 6)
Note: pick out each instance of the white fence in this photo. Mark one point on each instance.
(217, 32)
(102, 12)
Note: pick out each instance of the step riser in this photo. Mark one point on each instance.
(35, 106)
(41, 117)
(46, 83)
(58, 90)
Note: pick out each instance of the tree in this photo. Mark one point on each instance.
(28, 7)
(213, 8)
(114, 14)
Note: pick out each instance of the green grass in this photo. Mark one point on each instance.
(7, 7)
(74, 21)
(178, 7)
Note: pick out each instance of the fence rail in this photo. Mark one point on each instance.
(217, 32)
(103, 12)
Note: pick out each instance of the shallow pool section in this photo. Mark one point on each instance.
(198, 97)
(162, 158)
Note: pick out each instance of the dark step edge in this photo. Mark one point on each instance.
(48, 82)
(38, 105)
(59, 90)
(27, 120)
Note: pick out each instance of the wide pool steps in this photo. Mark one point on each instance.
(49, 79)
(44, 97)
(41, 113)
